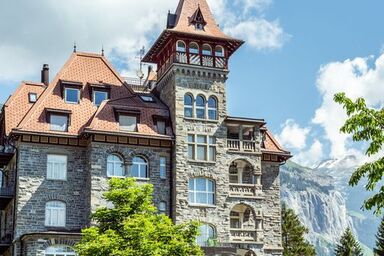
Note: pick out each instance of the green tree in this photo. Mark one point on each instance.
(379, 249)
(294, 242)
(348, 246)
(133, 227)
(366, 124)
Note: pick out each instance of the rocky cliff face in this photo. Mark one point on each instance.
(326, 204)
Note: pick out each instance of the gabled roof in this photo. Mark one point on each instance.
(84, 71)
(187, 10)
(271, 145)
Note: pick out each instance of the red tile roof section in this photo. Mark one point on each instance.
(86, 68)
(271, 145)
(18, 104)
(185, 11)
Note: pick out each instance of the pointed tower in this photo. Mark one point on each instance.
(217, 160)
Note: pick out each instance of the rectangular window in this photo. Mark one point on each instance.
(32, 97)
(128, 123)
(161, 128)
(72, 95)
(57, 167)
(163, 167)
(99, 96)
(163, 207)
(59, 122)
(201, 147)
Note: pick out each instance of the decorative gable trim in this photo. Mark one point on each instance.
(198, 20)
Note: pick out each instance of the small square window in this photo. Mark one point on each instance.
(59, 122)
(32, 97)
(128, 123)
(147, 98)
(72, 95)
(99, 97)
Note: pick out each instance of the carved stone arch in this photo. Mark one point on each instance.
(250, 253)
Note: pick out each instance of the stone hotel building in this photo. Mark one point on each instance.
(62, 139)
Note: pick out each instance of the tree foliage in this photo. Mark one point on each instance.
(133, 227)
(366, 124)
(294, 242)
(379, 248)
(348, 246)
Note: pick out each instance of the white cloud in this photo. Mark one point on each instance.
(293, 136)
(43, 31)
(313, 155)
(357, 79)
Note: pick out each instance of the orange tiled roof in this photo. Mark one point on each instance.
(84, 69)
(186, 10)
(18, 104)
(271, 145)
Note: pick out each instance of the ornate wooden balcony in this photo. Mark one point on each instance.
(244, 190)
(241, 145)
(245, 236)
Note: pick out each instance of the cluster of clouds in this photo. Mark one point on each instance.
(45, 31)
(359, 77)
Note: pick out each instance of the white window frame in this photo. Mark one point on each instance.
(212, 108)
(194, 49)
(71, 89)
(56, 127)
(222, 53)
(141, 165)
(115, 163)
(128, 128)
(32, 97)
(205, 234)
(210, 146)
(55, 209)
(163, 167)
(178, 49)
(59, 250)
(189, 107)
(57, 167)
(193, 192)
(94, 96)
(203, 107)
(204, 52)
(163, 207)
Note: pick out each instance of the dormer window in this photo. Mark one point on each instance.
(72, 95)
(199, 26)
(58, 119)
(128, 123)
(32, 97)
(197, 19)
(99, 97)
(147, 98)
(59, 123)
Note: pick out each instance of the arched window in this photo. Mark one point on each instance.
(139, 168)
(180, 46)
(59, 250)
(207, 233)
(55, 214)
(115, 166)
(200, 107)
(163, 207)
(188, 105)
(194, 48)
(212, 108)
(207, 50)
(219, 51)
(201, 191)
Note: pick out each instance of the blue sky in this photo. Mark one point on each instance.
(297, 54)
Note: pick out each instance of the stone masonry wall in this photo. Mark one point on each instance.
(34, 190)
(97, 157)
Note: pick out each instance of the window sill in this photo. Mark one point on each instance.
(203, 206)
(201, 162)
(141, 179)
(201, 120)
(50, 179)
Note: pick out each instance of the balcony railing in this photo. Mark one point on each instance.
(244, 236)
(241, 145)
(244, 190)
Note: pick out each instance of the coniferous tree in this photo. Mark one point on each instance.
(293, 233)
(379, 249)
(348, 246)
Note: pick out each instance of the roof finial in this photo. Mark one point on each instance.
(74, 46)
(102, 50)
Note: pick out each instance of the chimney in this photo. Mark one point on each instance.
(45, 74)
